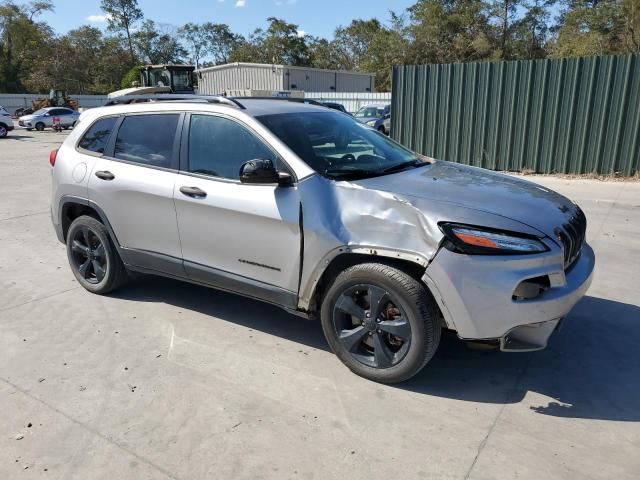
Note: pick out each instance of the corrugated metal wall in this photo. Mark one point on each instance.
(244, 76)
(217, 80)
(578, 115)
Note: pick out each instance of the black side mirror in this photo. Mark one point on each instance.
(262, 171)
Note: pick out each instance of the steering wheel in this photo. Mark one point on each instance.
(349, 157)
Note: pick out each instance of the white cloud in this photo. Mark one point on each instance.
(98, 18)
(241, 3)
(301, 33)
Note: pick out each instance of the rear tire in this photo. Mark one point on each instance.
(93, 257)
(380, 322)
(39, 126)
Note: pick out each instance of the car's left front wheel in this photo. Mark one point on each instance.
(93, 258)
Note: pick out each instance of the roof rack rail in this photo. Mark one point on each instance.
(173, 97)
(288, 99)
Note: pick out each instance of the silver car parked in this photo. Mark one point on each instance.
(306, 208)
(47, 117)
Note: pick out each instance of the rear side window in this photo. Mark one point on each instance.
(147, 139)
(97, 136)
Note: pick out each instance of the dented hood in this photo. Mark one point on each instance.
(479, 189)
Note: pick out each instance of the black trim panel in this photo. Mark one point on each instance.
(244, 286)
(157, 262)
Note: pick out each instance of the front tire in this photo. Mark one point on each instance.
(39, 126)
(93, 258)
(380, 322)
(3, 131)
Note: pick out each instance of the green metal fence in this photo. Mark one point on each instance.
(579, 115)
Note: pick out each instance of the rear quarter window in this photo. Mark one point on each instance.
(97, 136)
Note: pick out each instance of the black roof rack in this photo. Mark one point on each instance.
(288, 99)
(173, 97)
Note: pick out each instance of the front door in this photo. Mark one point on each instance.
(241, 237)
(133, 184)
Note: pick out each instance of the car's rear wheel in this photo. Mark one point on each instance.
(381, 322)
(39, 126)
(93, 257)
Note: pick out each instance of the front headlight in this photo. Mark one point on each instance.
(485, 241)
(371, 123)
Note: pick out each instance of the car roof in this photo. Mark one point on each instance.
(369, 105)
(262, 106)
(253, 107)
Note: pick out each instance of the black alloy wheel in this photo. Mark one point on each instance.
(93, 256)
(380, 321)
(89, 255)
(371, 326)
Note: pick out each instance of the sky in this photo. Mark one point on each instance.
(314, 17)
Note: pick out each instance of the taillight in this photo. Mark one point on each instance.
(52, 157)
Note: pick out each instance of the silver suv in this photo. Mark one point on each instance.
(305, 208)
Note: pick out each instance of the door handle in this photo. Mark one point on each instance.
(105, 175)
(194, 192)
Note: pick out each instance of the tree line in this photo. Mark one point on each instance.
(86, 60)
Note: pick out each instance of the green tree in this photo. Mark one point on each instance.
(352, 43)
(280, 43)
(449, 31)
(155, 46)
(122, 16)
(598, 27)
(196, 38)
(20, 40)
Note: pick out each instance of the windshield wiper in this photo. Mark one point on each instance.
(416, 162)
(356, 173)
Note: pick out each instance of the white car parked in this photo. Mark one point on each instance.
(6, 124)
(44, 118)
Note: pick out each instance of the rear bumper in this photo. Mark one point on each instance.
(475, 295)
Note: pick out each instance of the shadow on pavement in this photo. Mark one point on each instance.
(591, 368)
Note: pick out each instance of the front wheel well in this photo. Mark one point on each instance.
(347, 260)
(73, 210)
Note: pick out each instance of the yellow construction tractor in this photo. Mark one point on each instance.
(57, 98)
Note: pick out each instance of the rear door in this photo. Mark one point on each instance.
(133, 184)
(237, 236)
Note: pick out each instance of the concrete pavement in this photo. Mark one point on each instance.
(170, 380)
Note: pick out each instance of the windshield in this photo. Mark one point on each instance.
(337, 146)
(181, 79)
(370, 111)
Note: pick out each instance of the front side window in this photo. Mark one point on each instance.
(219, 147)
(147, 139)
(97, 136)
(339, 147)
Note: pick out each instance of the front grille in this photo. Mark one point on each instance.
(572, 236)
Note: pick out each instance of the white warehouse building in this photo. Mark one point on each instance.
(257, 76)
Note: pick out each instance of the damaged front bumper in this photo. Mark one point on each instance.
(476, 295)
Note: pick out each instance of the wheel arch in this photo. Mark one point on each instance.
(311, 298)
(71, 208)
